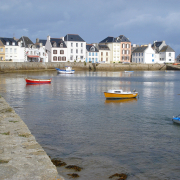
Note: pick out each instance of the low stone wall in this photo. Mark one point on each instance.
(21, 157)
(36, 66)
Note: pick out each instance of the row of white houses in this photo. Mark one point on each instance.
(72, 48)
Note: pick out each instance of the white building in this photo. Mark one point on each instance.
(92, 53)
(144, 54)
(76, 48)
(32, 52)
(164, 53)
(56, 49)
(13, 50)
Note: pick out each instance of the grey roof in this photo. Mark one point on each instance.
(140, 49)
(103, 47)
(73, 37)
(58, 41)
(157, 44)
(119, 39)
(10, 40)
(25, 41)
(167, 49)
(88, 48)
(42, 41)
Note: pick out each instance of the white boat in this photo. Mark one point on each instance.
(120, 94)
(68, 70)
(176, 119)
(128, 71)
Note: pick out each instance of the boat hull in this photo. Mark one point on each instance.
(65, 72)
(176, 120)
(119, 96)
(38, 81)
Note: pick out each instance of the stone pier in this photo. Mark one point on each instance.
(21, 157)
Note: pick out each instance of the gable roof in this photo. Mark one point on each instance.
(111, 39)
(140, 49)
(10, 40)
(166, 49)
(89, 46)
(25, 41)
(157, 44)
(73, 37)
(58, 42)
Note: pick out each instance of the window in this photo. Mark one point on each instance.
(54, 45)
(76, 44)
(169, 54)
(71, 44)
(76, 51)
(81, 44)
(142, 59)
(106, 53)
(81, 57)
(1, 58)
(89, 59)
(101, 59)
(55, 52)
(31, 52)
(13, 43)
(54, 58)
(139, 60)
(81, 51)
(142, 54)
(89, 53)
(127, 57)
(71, 50)
(106, 59)
(123, 45)
(10, 50)
(152, 60)
(63, 58)
(92, 54)
(43, 53)
(39, 54)
(1, 49)
(122, 51)
(127, 45)
(59, 58)
(139, 54)
(153, 56)
(127, 51)
(169, 59)
(71, 57)
(61, 45)
(61, 51)
(96, 54)
(101, 53)
(7, 43)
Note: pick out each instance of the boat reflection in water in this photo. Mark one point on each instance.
(120, 101)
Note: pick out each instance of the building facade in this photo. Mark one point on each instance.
(92, 53)
(76, 48)
(2, 51)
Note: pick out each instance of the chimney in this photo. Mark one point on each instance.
(37, 40)
(62, 38)
(48, 37)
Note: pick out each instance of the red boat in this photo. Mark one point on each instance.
(38, 81)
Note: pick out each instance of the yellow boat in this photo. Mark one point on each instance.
(120, 94)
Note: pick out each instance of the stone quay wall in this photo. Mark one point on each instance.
(21, 157)
(38, 66)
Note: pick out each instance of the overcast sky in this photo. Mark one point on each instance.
(142, 21)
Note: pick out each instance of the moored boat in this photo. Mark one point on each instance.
(128, 71)
(120, 94)
(37, 81)
(176, 119)
(68, 70)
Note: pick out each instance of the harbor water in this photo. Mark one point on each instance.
(72, 121)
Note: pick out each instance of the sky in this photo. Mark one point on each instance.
(142, 21)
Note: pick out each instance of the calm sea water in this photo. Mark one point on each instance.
(73, 121)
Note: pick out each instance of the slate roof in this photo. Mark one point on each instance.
(103, 47)
(88, 48)
(58, 42)
(25, 41)
(73, 37)
(140, 49)
(157, 44)
(119, 39)
(10, 40)
(166, 49)
(42, 41)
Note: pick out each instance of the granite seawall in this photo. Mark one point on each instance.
(21, 157)
(37, 66)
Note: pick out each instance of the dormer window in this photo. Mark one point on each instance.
(54, 45)
(92, 48)
(7, 43)
(61, 45)
(13, 43)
